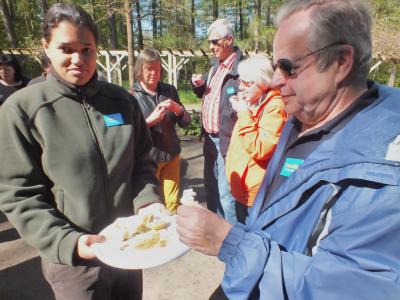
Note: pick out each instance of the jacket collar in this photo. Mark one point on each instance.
(234, 70)
(264, 100)
(137, 87)
(67, 89)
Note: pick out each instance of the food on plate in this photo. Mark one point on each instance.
(150, 239)
(143, 231)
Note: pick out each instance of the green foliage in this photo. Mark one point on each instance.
(194, 127)
(382, 73)
(173, 41)
(187, 96)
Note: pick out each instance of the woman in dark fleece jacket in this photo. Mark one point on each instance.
(75, 156)
(162, 110)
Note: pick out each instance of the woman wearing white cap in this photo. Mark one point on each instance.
(261, 117)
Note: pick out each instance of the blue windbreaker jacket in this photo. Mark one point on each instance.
(331, 230)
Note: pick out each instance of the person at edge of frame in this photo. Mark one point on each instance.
(11, 77)
(326, 221)
(75, 156)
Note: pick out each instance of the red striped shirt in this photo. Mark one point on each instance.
(212, 95)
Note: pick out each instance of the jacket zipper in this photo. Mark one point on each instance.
(322, 227)
(100, 151)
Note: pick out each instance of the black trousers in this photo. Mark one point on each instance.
(93, 281)
(218, 294)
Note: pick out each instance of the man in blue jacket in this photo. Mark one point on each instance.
(326, 220)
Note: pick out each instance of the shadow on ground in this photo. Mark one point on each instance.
(24, 282)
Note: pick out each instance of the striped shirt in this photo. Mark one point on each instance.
(212, 95)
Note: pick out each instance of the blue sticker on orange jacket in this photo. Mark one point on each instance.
(113, 120)
(290, 165)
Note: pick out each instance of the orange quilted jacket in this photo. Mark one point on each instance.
(253, 142)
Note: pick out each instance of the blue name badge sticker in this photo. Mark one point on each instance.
(113, 120)
(290, 165)
(231, 90)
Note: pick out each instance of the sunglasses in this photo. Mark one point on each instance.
(216, 41)
(288, 67)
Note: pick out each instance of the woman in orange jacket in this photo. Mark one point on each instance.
(261, 117)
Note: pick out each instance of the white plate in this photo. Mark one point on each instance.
(110, 253)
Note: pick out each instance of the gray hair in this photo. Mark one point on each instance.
(345, 21)
(148, 55)
(256, 68)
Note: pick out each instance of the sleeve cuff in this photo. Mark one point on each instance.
(229, 246)
(67, 248)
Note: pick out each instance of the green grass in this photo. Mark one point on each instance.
(185, 93)
(188, 97)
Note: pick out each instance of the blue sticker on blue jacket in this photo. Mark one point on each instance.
(113, 120)
(290, 165)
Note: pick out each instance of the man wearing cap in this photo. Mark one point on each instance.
(218, 117)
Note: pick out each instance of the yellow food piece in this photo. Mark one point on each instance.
(142, 228)
(144, 232)
(158, 226)
(148, 218)
(148, 242)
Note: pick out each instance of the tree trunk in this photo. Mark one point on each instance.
(154, 17)
(8, 23)
(139, 24)
(192, 22)
(130, 41)
(215, 9)
(43, 8)
(240, 4)
(257, 28)
(160, 31)
(269, 13)
(112, 25)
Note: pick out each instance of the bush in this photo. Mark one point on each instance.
(194, 127)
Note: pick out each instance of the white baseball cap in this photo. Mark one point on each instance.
(219, 29)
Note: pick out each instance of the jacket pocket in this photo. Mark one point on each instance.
(60, 200)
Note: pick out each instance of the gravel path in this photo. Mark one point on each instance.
(194, 276)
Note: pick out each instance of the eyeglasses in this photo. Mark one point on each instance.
(215, 42)
(246, 83)
(287, 66)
